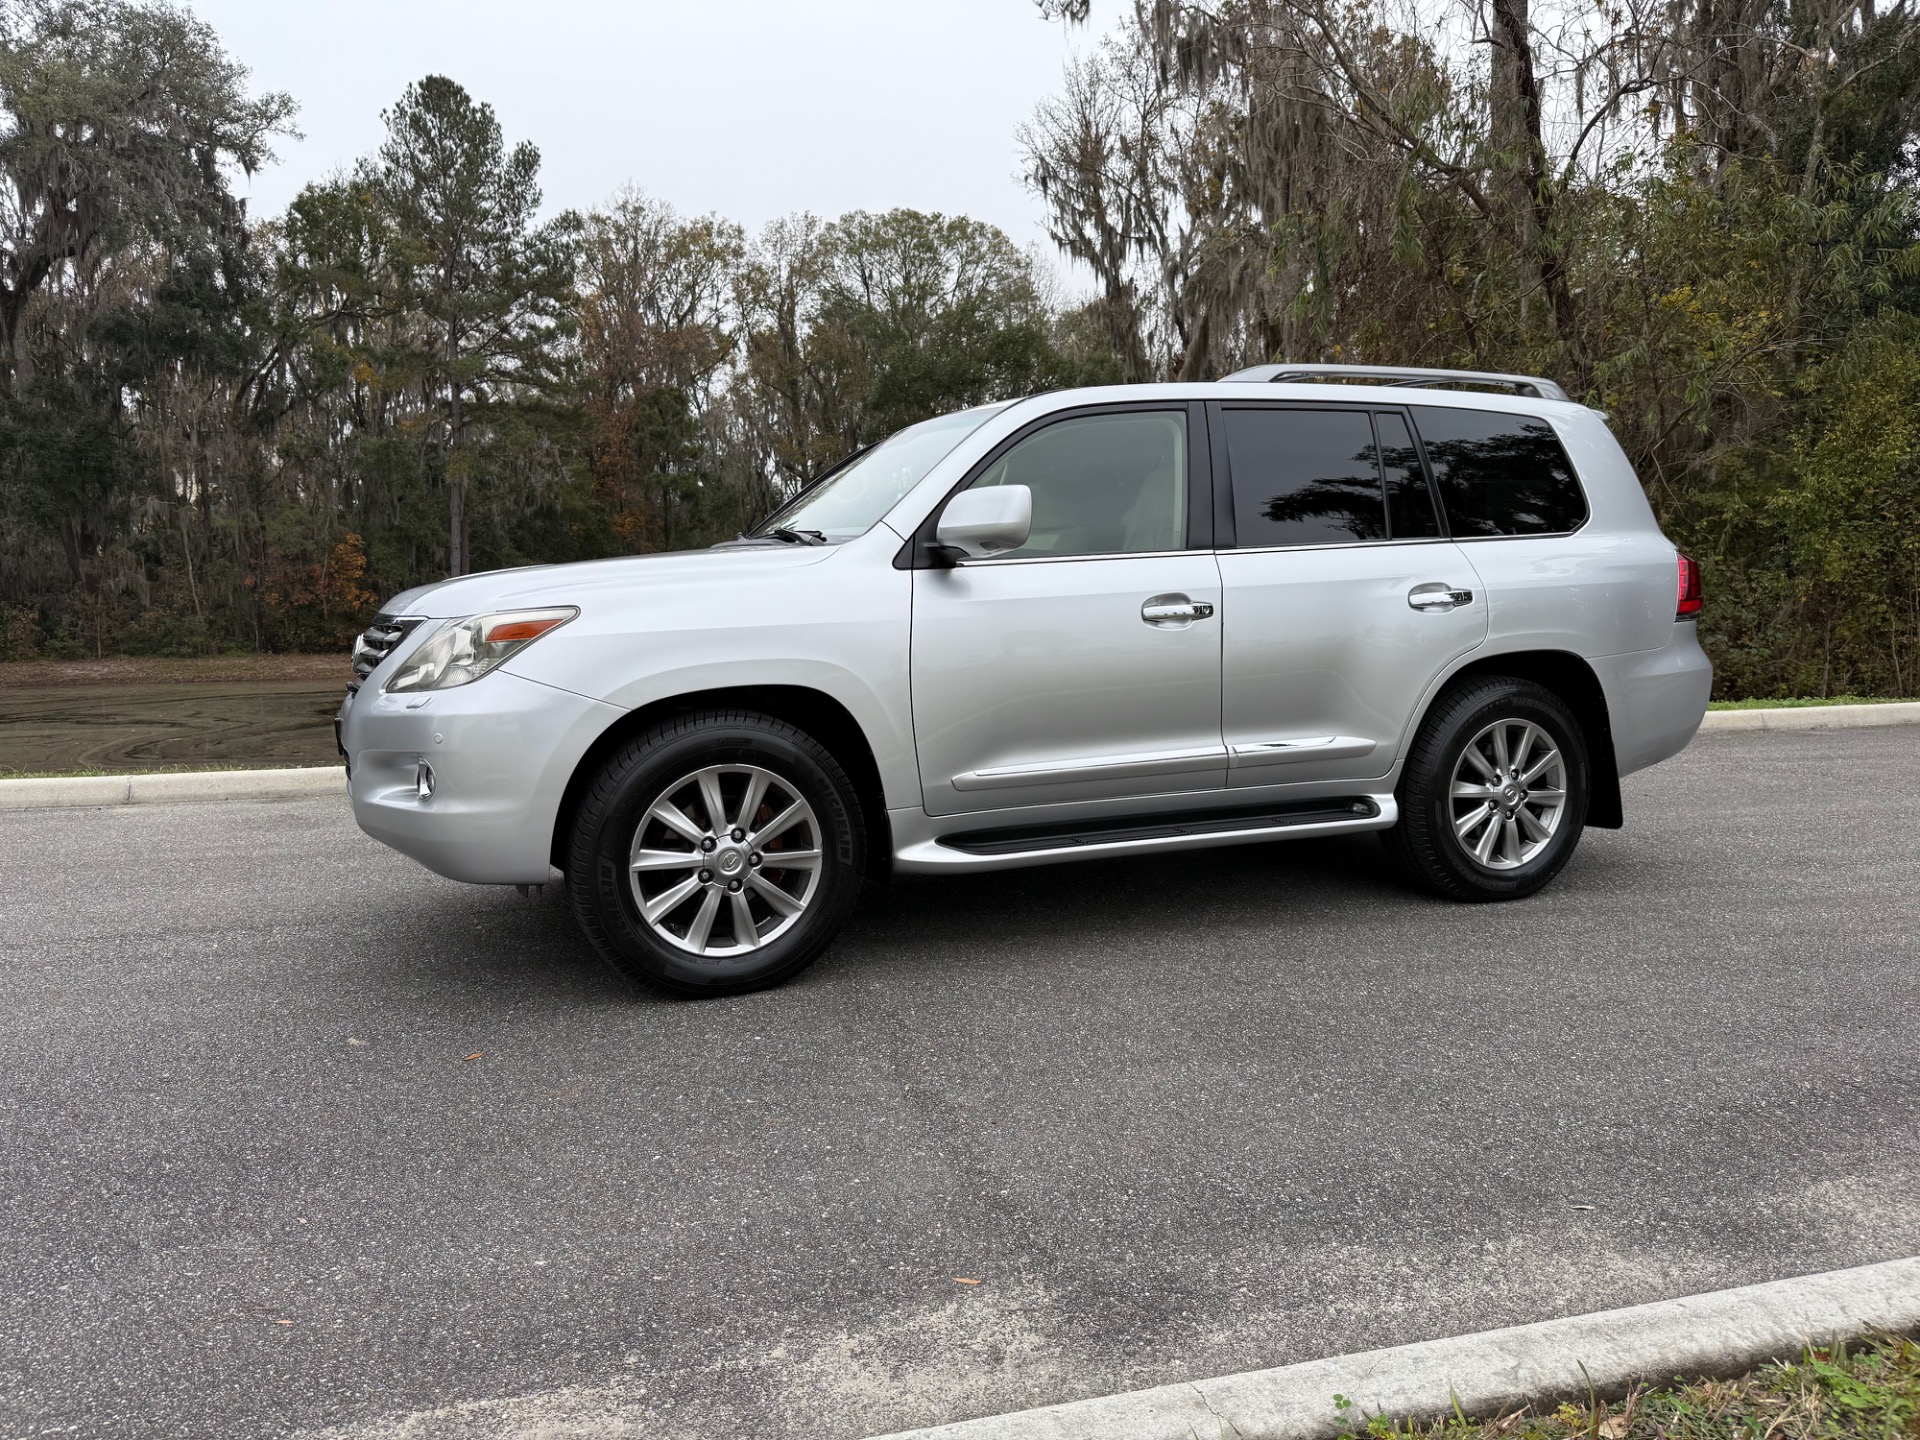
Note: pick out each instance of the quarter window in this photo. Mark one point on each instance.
(1102, 484)
(1409, 500)
(1500, 474)
(1304, 477)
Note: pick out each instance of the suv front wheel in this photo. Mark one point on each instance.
(717, 853)
(1494, 793)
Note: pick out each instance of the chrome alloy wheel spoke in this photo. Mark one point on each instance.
(779, 899)
(1466, 824)
(1507, 794)
(702, 925)
(710, 800)
(746, 930)
(1479, 762)
(750, 803)
(669, 899)
(792, 859)
(669, 815)
(739, 875)
(1483, 850)
(780, 822)
(666, 860)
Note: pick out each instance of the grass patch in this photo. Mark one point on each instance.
(126, 670)
(1806, 700)
(1867, 1391)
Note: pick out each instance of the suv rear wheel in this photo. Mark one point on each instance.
(1494, 793)
(717, 853)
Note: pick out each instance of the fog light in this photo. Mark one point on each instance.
(423, 780)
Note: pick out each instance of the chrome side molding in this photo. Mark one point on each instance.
(1096, 767)
(1311, 747)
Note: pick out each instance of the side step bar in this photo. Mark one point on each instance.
(1243, 821)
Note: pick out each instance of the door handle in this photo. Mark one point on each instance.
(1438, 598)
(1175, 611)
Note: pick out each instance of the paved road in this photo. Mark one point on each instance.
(1177, 1117)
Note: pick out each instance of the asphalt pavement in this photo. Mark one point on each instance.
(297, 1139)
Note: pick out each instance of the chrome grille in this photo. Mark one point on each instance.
(376, 642)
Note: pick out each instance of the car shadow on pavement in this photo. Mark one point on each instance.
(1168, 895)
(531, 943)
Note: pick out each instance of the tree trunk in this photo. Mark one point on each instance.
(17, 348)
(1522, 153)
(1193, 365)
(456, 462)
(14, 300)
(456, 528)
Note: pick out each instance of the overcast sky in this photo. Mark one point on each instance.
(752, 108)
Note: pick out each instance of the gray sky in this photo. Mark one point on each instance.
(752, 108)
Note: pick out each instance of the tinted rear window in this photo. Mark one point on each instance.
(1500, 474)
(1304, 477)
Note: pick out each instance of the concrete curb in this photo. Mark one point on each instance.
(95, 790)
(1813, 717)
(1714, 1334)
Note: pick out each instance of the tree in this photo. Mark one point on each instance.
(492, 288)
(654, 312)
(854, 329)
(116, 123)
(124, 271)
(944, 309)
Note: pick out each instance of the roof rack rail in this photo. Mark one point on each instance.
(1531, 386)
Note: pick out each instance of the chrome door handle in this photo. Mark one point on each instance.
(1175, 610)
(1438, 597)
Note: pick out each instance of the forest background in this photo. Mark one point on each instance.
(222, 432)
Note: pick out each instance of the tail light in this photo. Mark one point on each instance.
(1692, 598)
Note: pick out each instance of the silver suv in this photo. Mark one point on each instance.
(1091, 623)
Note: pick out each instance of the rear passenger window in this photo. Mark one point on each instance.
(1304, 477)
(1500, 474)
(1102, 484)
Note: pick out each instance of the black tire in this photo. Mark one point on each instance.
(1424, 843)
(601, 881)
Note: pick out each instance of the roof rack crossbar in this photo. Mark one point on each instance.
(1532, 386)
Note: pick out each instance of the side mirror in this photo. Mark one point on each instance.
(985, 521)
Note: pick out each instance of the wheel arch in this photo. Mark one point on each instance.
(814, 711)
(1573, 680)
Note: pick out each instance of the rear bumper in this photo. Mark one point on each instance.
(502, 751)
(1656, 698)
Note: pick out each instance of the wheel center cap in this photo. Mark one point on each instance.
(730, 862)
(1509, 794)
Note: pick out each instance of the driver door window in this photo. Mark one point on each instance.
(1102, 484)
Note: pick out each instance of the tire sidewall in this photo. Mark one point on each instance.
(1513, 700)
(638, 776)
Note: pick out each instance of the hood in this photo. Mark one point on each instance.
(533, 586)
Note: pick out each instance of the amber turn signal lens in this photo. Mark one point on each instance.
(520, 630)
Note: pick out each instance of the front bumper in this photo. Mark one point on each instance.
(502, 751)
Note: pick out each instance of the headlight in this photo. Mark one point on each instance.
(468, 649)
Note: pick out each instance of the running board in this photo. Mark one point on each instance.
(1249, 821)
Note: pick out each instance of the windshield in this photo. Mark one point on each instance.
(850, 502)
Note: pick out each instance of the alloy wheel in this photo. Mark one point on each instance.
(725, 860)
(1508, 794)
